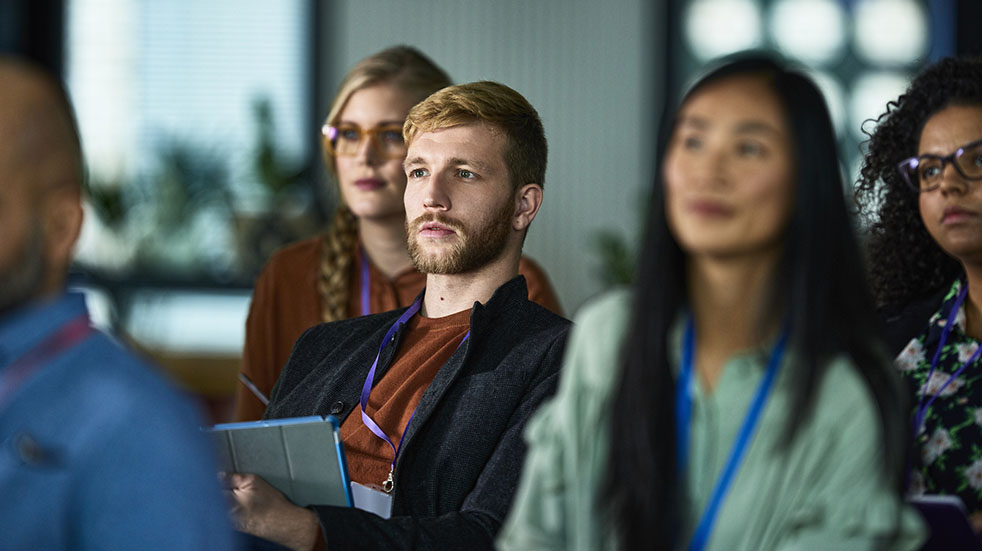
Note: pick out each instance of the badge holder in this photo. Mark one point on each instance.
(372, 498)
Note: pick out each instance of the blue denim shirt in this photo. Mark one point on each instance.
(97, 450)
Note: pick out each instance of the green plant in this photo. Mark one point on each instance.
(617, 264)
(276, 173)
(108, 201)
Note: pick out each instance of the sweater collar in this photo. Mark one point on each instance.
(513, 289)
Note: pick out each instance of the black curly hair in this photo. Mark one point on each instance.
(905, 263)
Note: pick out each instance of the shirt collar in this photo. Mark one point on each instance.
(742, 362)
(26, 327)
(513, 289)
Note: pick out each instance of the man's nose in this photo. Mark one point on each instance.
(435, 196)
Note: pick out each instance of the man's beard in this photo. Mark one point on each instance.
(475, 248)
(22, 279)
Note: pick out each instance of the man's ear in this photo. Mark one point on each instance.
(61, 220)
(527, 203)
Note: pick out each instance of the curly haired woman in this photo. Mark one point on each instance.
(921, 191)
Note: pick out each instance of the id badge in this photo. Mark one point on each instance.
(371, 498)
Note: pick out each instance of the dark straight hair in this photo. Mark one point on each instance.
(818, 286)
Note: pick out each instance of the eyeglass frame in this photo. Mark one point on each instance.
(373, 133)
(945, 160)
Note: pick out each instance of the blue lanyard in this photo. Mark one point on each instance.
(366, 391)
(683, 412)
(922, 407)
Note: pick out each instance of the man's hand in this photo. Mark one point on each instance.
(261, 510)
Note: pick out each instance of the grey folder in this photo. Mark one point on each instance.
(302, 457)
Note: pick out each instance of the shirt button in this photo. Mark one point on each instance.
(31, 453)
(337, 407)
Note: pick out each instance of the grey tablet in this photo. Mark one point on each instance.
(303, 457)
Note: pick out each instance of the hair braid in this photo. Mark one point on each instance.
(336, 258)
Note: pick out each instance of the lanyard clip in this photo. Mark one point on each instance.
(388, 484)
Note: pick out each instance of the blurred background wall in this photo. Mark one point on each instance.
(201, 125)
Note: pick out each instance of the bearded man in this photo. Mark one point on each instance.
(451, 380)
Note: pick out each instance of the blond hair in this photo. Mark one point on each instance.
(494, 104)
(409, 70)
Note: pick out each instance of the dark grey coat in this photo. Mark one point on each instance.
(462, 453)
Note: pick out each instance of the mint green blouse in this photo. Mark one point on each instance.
(823, 492)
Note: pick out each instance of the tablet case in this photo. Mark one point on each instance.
(303, 457)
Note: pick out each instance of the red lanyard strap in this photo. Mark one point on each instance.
(18, 372)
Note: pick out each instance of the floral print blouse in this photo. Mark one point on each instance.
(950, 441)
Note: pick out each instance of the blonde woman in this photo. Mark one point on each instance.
(360, 265)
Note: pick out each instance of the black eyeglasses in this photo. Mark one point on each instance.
(924, 173)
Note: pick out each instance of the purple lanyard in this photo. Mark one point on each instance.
(922, 407)
(18, 372)
(366, 390)
(365, 305)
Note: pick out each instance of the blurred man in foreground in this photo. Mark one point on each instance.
(97, 451)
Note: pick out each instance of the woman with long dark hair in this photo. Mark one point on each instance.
(738, 396)
(921, 191)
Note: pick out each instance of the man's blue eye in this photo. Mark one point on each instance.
(466, 173)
